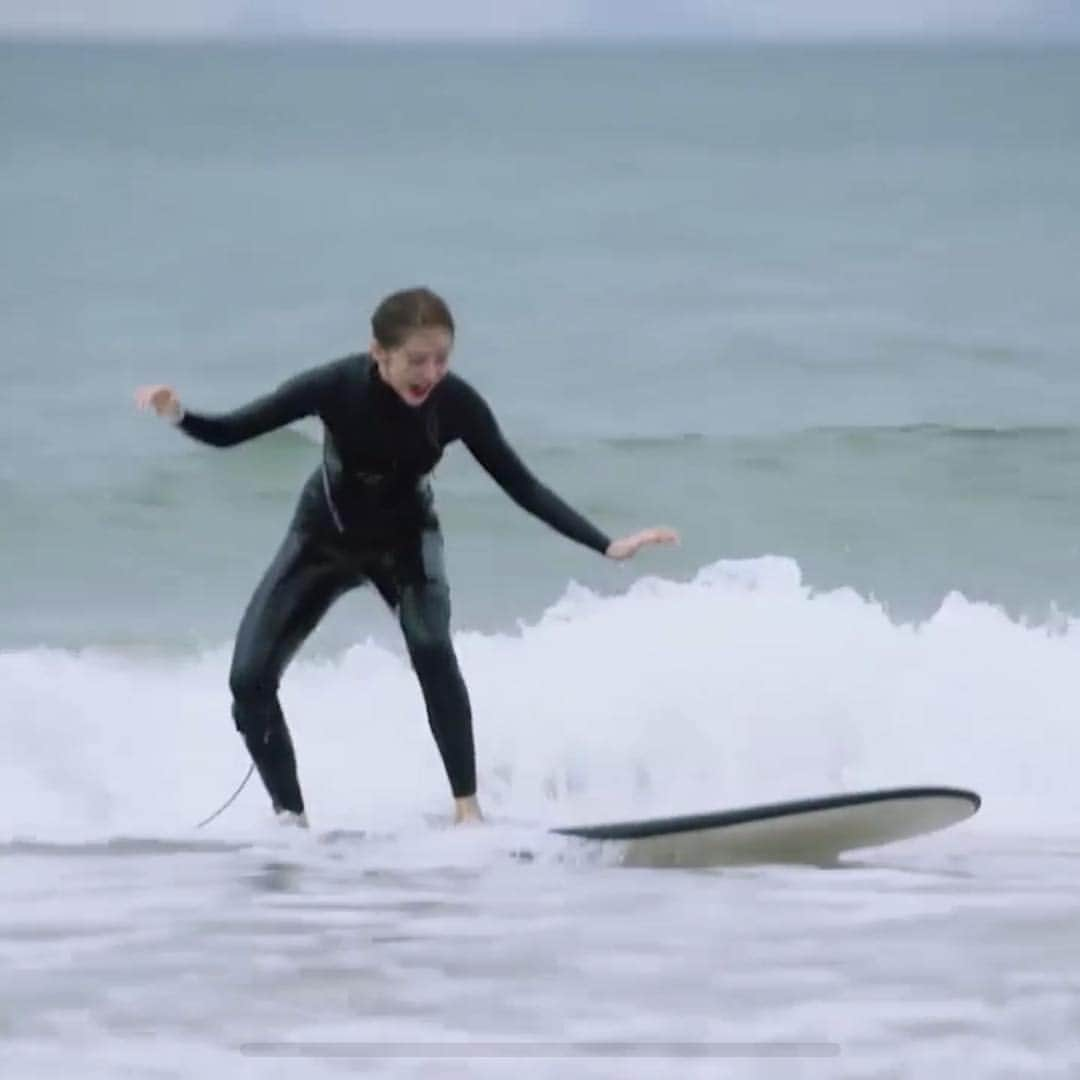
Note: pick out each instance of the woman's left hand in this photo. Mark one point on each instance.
(628, 545)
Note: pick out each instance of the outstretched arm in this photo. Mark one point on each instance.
(487, 444)
(297, 397)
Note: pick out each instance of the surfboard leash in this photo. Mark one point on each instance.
(231, 799)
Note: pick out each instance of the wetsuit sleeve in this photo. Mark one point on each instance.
(481, 434)
(302, 395)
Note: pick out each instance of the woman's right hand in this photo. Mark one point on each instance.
(162, 399)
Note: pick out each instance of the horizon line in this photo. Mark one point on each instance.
(561, 37)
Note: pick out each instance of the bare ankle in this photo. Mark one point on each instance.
(467, 810)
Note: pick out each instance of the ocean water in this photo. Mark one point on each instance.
(815, 308)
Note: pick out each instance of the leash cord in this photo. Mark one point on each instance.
(228, 802)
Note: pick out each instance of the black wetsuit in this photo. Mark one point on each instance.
(367, 515)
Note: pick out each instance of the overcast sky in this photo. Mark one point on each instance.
(511, 18)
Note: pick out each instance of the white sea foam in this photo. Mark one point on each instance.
(739, 686)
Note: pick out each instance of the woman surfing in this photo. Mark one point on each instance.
(366, 515)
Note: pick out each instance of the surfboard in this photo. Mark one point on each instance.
(809, 831)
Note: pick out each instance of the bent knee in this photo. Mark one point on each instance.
(248, 683)
(255, 716)
(425, 620)
(243, 683)
(431, 650)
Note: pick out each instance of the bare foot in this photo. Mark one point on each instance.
(467, 811)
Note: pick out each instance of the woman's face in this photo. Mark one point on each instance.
(415, 367)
